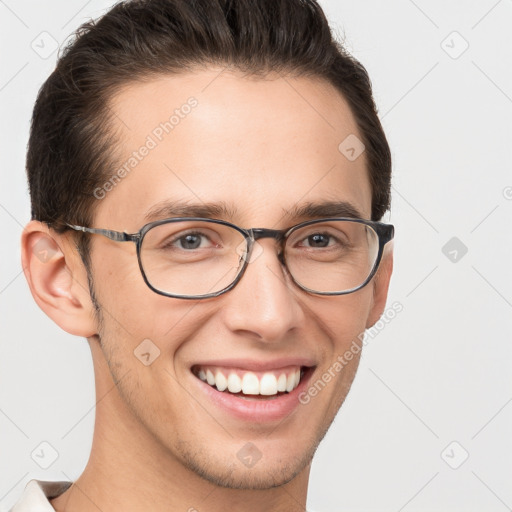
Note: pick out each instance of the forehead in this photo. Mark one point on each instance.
(261, 146)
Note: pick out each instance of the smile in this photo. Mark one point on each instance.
(241, 382)
(253, 391)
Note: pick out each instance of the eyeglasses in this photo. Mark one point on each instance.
(196, 258)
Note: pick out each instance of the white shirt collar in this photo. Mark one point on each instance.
(36, 495)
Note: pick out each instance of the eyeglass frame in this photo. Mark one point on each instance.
(385, 233)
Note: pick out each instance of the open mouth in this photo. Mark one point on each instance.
(251, 385)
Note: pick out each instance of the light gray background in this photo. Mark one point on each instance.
(438, 373)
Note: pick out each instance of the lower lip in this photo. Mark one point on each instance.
(259, 410)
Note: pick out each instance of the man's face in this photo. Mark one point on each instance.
(262, 149)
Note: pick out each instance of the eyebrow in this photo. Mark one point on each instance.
(312, 210)
(321, 209)
(168, 209)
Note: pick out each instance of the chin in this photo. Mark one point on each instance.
(266, 477)
(264, 474)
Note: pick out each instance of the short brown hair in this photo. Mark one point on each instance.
(70, 147)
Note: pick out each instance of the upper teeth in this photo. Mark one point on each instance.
(249, 383)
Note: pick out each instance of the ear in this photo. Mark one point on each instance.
(381, 286)
(57, 278)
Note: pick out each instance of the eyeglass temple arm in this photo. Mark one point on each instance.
(117, 236)
(387, 232)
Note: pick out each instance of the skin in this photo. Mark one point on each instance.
(260, 146)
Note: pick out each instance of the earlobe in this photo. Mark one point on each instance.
(57, 279)
(381, 287)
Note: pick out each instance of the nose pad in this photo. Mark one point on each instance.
(262, 303)
(257, 250)
(253, 252)
(259, 233)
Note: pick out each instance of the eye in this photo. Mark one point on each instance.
(329, 238)
(318, 240)
(189, 241)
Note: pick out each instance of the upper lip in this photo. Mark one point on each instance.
(258, 365)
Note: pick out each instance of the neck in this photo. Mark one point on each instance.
(130, 470)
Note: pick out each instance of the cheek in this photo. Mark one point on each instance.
(345, 317)
(341, 321)
(127, 301)
(137, 321)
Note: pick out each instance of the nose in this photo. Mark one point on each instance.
(265, 304)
